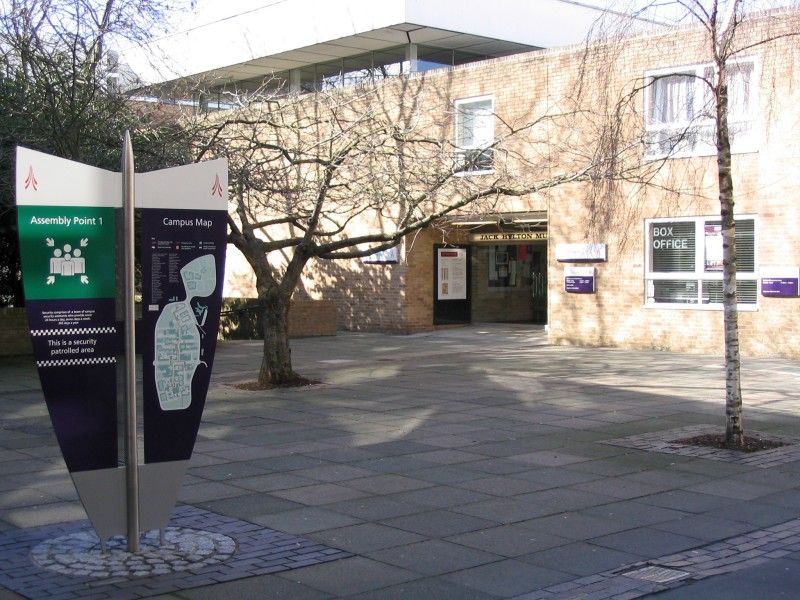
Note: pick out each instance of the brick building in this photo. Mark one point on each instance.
(630, 264)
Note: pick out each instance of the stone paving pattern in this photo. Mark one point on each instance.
(664, 441)
(258, 551)
(464, 463)
(642, 579)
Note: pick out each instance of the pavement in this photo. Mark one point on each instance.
(474, 462)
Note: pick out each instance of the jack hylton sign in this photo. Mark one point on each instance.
(68, 215)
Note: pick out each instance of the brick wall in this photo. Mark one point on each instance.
(366, 296)
(400, 297)
(419, 279)
(766, 185)
(240, 319)
(311, 318)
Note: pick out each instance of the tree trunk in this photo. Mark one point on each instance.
(276, 363)
(734, 431)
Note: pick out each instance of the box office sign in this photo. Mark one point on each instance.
(68, 217)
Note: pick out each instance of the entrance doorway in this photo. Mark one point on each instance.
(451, 285)
(509, 283)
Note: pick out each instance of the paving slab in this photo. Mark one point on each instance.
(580, 558)
(508, 578)
(425, 589)
(509, 540)
(438, 523)
(350, 576)
(254, 588)
(434, 557)
(305, 520)
(647, 542)
(366, 537)
(575, 525)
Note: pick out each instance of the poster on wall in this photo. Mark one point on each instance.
(713, 247)
(67, 231)
(183, 238)
(451, 269)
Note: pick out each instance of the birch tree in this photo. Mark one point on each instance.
(730, 29)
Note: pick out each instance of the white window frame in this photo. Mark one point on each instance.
(696, 136)
(699, 274)
(462, 148)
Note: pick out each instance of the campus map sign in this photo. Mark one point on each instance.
(68, 227)
(183, 259)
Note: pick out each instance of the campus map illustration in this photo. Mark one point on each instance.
(178, 335)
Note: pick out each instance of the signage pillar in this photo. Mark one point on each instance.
(68, 214)
(131, 452)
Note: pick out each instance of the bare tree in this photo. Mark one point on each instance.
(728, 30)
(61, 92)
(349, 172)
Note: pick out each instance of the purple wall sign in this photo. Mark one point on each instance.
(579, 280)
(579, 285)
(183, 265)
(780, 287)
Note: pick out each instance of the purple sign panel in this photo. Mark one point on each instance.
(579, 285)
(780, 287)
(75, 344)
(183, 262)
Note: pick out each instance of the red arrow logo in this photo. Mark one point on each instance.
(216, 189)
(30, 180)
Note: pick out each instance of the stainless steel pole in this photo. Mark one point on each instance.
(131, 450)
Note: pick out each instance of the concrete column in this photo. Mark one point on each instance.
(411, 58)
(294, 81)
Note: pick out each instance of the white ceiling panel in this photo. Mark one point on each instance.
(295, 33)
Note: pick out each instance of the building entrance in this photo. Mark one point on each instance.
(508, 283)
(451, 285)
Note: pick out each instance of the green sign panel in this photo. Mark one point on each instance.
(67, 251)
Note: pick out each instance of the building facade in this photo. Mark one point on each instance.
(634, 262)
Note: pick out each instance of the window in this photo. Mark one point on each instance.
(679, 109)
(684, 262)
(474, 134)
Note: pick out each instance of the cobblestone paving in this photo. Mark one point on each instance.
(663, 441)
(202, 548)
(659, 574)
(80, 553)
